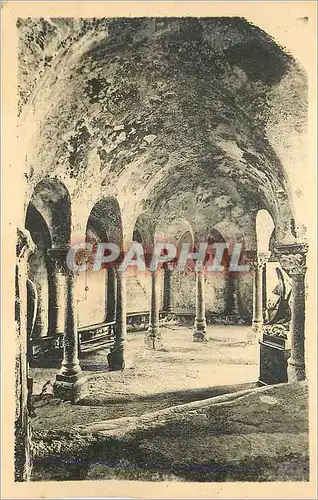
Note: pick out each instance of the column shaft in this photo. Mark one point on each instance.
(167, 291)
(70, 363)
(257, 321)
(153, 336)
(296, 363)
(232, 302)
(57, 286)
(111, 294)
(293, 261)
(264, 292)
(116, 359)
(200, 321)
(68, 383)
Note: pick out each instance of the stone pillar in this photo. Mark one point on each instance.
(293, 261)
(167, 290)
(264, 292)
(57, 287)
(69, 382)
(116, 360)
(111, 293)
(232, 299)
(32, 302)
(153, 338)
(257, 262)
(199, 334)
(38, 273)
(22, 442)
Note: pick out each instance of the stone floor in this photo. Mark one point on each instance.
(181, 371)
(174, 414)
(255, 435)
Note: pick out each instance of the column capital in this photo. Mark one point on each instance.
(24, 245)
(257, 260)
(292, 258)
(58, 257)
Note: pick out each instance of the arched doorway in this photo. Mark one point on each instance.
(101, 311)
(48, 219)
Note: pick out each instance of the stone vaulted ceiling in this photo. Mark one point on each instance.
(177, 110)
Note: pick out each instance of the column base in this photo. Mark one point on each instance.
(116, 360)
(295, 371)
(69, 388)
(153, 339)
(257, 325)
(199, 334)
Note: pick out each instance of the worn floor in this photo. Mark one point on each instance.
(174, 414)
(181, 371)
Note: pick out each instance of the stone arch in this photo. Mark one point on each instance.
(106, 220)
(182, 283)
(173, 231)
(221, 286)
(38, 272)
(48, 219)
(139, 283)
(144, 233)
(52, 200)
(265, 226)
(104, 225)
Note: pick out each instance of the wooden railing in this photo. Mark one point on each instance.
(90, 338)
(96, 336)
(101, 335)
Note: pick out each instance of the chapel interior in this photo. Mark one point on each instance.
(145, 130)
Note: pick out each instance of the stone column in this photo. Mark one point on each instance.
(167, 290)
(57, 287)
(232, 302)
(39, 276)
(293, 261)
(111, 292)
(199, 334)
(264, 292)
(116, 360)
(153, 338)
(69, 382)
(22, 441)
(257, 262)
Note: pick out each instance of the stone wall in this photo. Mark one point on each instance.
(92, 303)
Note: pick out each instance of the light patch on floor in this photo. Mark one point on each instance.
(269, 400)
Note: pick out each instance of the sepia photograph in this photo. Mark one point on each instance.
(159, 249)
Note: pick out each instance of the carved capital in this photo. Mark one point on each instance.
(293, 264)
(292, 258)
(24, 245)
(58, 257)
(256, 260)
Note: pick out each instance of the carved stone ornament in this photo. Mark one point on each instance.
(25, 244)
(256, 261)
(293, 264)
(58, 257)
(292, 258)
(277, 330)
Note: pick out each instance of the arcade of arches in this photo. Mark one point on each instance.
(143, 129)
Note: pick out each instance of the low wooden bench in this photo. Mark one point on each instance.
(90, 338)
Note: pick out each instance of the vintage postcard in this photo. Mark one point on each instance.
(159, 249)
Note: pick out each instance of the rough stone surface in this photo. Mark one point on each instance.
(178, 116)
(240, 438)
